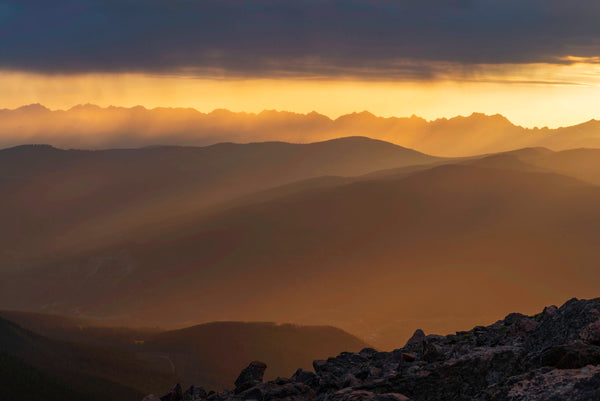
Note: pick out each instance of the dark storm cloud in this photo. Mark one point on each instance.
(402, 38)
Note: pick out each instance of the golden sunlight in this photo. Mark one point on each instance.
(562, 94)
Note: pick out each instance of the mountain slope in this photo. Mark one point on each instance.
(20, 381)
(583, 164)
(214, 353)
(210, 353)
(56, 201)
(349, 255)
(73, 369)
(79, 330)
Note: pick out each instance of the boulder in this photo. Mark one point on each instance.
(176, 394)
(306, 377)
(570, 356)
(195, 393)
(250, 376)
(591, 333)
(417, 338)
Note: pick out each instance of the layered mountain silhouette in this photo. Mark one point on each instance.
(85, 358)
(52, 200)
(173, 237)
(90, 126)
(217, 351)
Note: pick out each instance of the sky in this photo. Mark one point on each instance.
(535, 61)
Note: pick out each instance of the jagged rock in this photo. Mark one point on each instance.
(194, 393)
(591, 333)
(368, 352)
(570, 356)
(348, 380)
(319, 364)
(417, 338)
(565, 325)
(550, 310)
(552, 356)
(306, 377)
(250, 376)
(549, 385)
(431, 353)
(221, 396)
(362, 395)
(176, 394)
(390, 368)
(288, 391)
(527, 325)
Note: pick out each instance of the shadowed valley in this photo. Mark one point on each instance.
(73, 358)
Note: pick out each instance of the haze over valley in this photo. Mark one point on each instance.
(339, 232)
(317, 200)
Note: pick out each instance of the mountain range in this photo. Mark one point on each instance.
(54, 200)
(355, 233)
(90, 126)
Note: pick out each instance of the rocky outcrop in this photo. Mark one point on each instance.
(554, 355)
(176, 394)
(250, 376)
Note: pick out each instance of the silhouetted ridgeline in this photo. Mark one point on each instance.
(90, 126)
(79, 359)
(263, 232)
(217, 351)
(553, 355)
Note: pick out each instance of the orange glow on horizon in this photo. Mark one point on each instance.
(530, 96)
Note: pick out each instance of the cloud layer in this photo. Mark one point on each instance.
(392, 38)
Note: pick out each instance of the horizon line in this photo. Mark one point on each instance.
(313, 112)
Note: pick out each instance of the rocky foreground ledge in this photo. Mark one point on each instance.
(551, 356)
